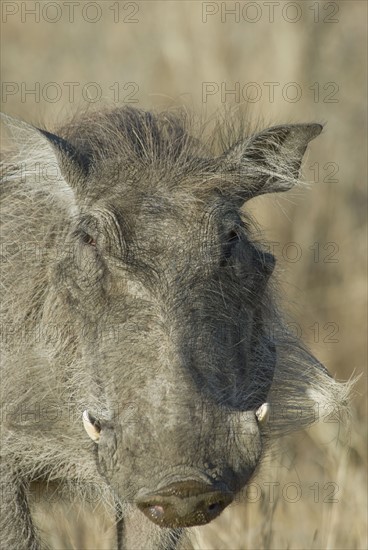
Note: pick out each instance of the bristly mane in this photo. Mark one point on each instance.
(172, 142)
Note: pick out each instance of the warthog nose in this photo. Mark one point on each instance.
(184, 504)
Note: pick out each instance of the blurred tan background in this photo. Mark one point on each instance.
(285, 62)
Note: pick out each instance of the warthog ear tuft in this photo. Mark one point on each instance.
(269, 161)
(92, 426)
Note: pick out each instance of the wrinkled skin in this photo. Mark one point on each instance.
(196, 344)
(153, 303)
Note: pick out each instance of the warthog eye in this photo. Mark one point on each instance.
(233, 237)
(88, 239)
(232, 240)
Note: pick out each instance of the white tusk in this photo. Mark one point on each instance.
(92, 430)
(263, 413)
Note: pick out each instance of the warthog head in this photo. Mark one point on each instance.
(161, 295)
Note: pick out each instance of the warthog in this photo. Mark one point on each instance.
(138, 308)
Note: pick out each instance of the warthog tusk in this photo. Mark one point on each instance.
(263, 413)
(91, 426)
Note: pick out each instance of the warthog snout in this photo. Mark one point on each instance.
(185, 503)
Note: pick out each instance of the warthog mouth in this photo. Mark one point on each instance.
(185, 504)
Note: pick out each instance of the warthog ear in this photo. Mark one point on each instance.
(70, 158)
(268, 162)
(47, 159)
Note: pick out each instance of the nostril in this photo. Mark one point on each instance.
(184, 504)
(215, 506)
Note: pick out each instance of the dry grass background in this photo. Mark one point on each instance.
(168, 53)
